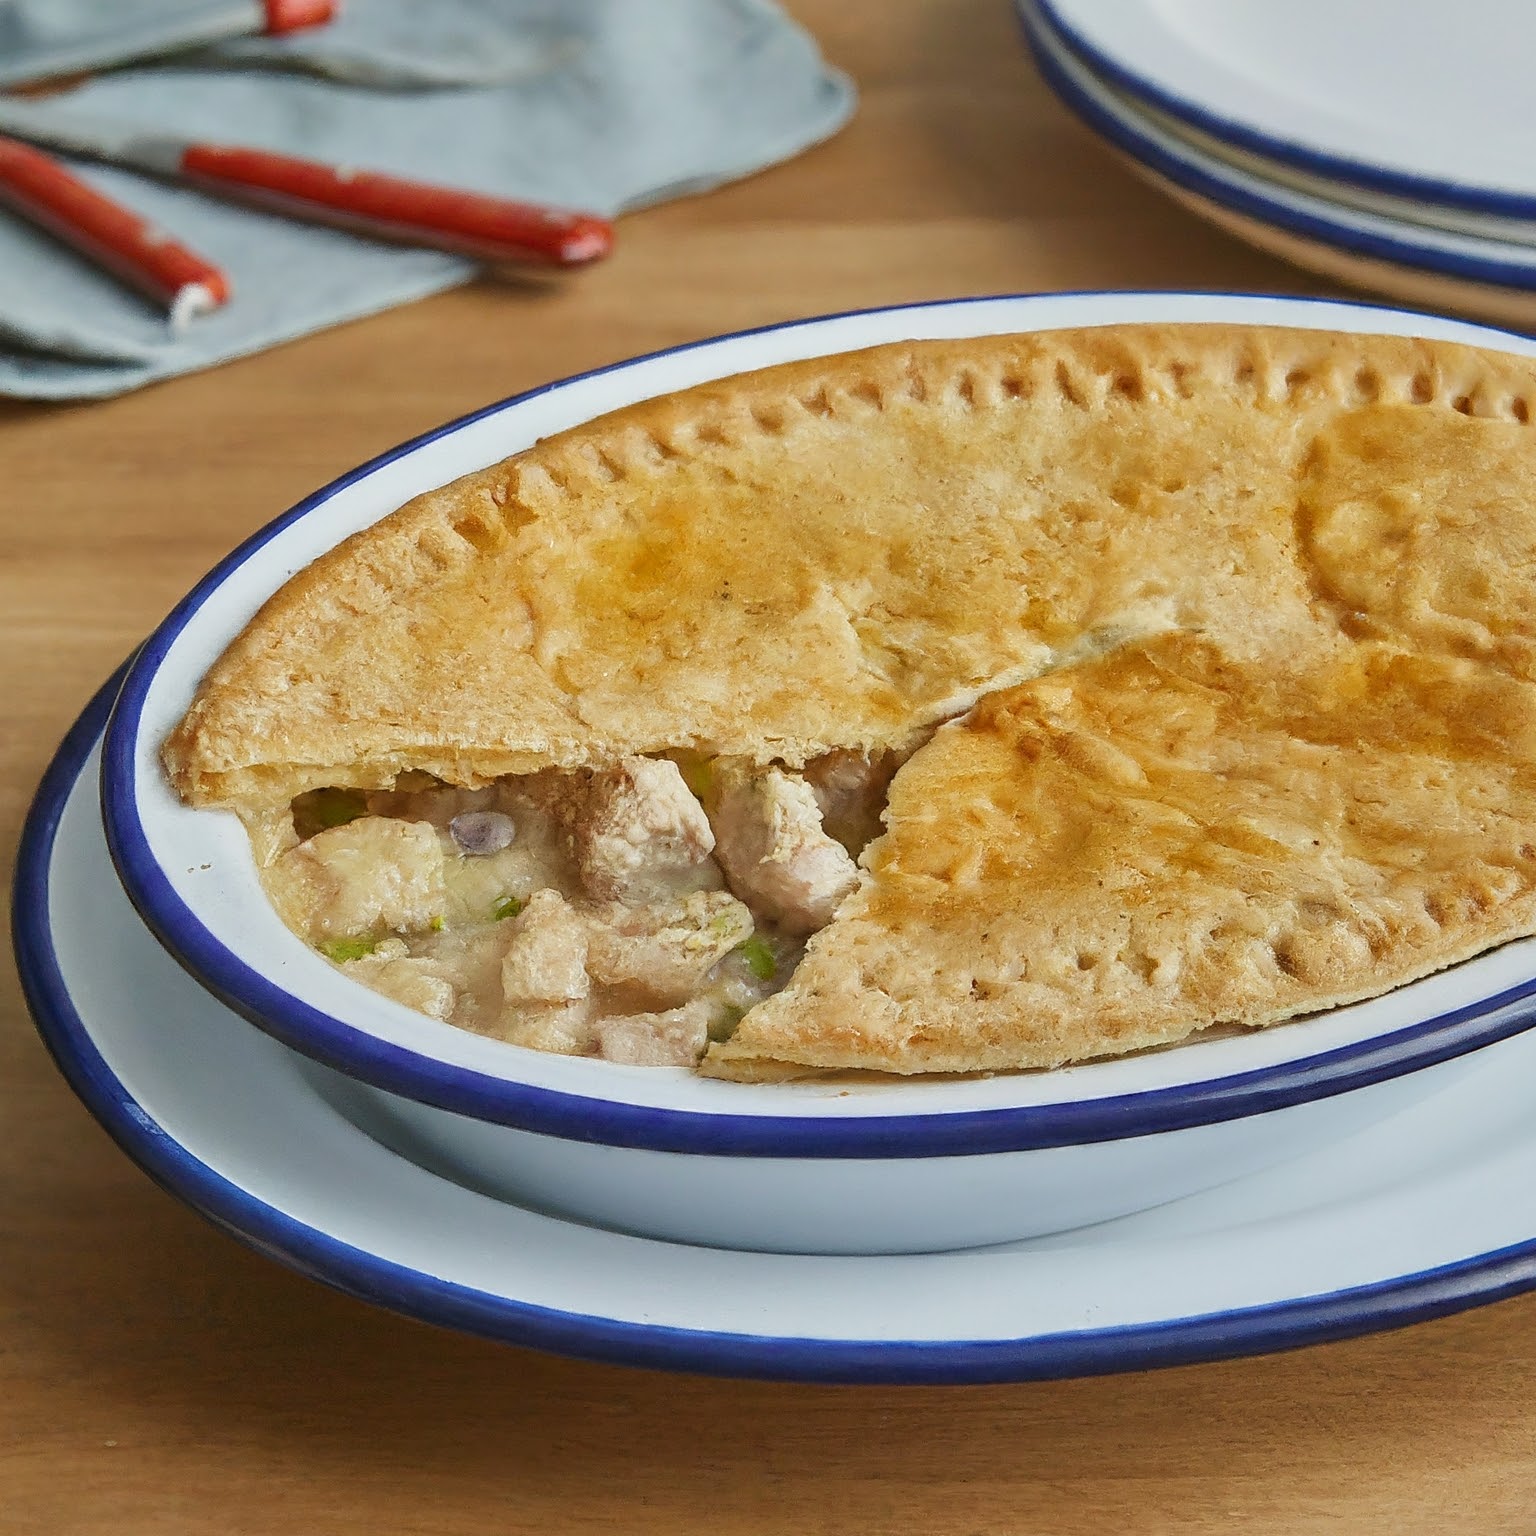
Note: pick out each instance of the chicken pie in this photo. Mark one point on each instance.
(950, 706)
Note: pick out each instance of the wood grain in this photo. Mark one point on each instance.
(155, 1377)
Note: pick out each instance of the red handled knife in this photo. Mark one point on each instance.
(112, 236)
(366, 202)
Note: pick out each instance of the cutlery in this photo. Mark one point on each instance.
(114, 237)
(385, 207)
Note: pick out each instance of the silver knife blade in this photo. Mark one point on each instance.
(91, 137)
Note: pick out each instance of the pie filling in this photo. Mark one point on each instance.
(633, 913)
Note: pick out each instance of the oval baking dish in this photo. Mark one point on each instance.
(828, 1165)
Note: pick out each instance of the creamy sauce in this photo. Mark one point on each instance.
(630, 913)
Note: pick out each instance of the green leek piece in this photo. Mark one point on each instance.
(508, 906)
(352, 948)
(759, 955)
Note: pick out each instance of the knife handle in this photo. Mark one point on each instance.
(391, 208)
(112, 236)
(281, 16)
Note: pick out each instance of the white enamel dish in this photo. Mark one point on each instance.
(1474, 272)
(1421, 98)
(1423, 1214)
(818, 1167)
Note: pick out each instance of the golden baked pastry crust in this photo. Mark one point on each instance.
(1113, 855)
(841, 552)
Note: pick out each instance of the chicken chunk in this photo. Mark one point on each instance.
(674, 1038)
(850, 789)
(546, 961)
(413, 983)
(664, 952)
(546, 993)
(641, 836)
(564, 1028)
(372, 875)
(770, 841)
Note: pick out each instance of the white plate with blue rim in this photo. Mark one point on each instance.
(1420, 1215)
(1416, 98)
(1417, 262)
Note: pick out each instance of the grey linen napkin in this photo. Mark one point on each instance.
(606, 105)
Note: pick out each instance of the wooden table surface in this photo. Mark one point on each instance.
(156, 1377)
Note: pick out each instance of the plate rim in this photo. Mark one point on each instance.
(1367, 174)
(612, 1121)
(1243, 192)
(309, 1250)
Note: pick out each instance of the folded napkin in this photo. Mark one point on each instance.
(605, 105)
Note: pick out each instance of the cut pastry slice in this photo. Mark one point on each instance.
(1162, 839)
(816, 565)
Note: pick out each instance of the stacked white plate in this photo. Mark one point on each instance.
(1390, 144)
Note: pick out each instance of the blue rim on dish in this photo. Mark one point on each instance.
(1418, 1297)
(1238, 191)
(412, 1075)
(1359, 173)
